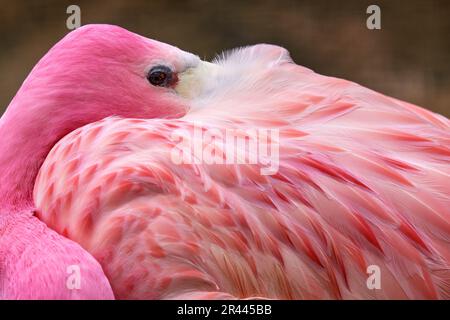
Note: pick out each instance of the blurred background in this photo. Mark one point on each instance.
(408, 58)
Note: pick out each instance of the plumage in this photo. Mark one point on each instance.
(363, 179)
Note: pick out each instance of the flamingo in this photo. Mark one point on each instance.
(89, 179)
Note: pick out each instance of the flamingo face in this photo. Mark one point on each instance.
(100, 70)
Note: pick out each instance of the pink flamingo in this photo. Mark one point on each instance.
(362, 180)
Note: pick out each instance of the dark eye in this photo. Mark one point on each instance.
(160, 76)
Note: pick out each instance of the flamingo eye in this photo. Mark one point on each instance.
(160, 76)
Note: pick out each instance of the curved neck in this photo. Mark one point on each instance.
(25, 140)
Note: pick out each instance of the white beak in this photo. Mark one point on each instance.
(195, 80)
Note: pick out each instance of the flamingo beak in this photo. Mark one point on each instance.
(195, 80)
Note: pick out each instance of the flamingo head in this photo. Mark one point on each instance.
(98, 71)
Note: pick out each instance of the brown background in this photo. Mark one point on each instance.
(408, 58)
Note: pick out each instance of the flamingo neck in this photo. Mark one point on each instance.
(26, 138)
